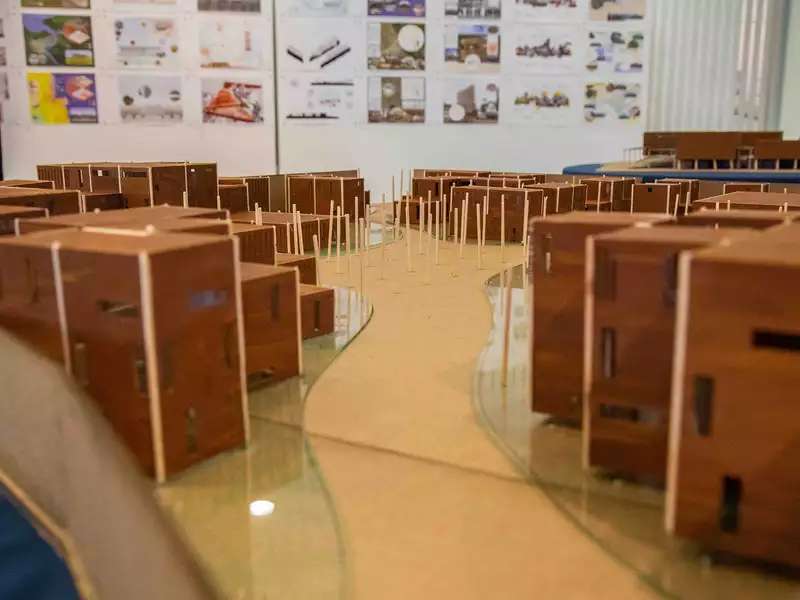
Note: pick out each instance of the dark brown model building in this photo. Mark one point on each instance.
(271, 309)
(558, 272)
(314, 195)
(514, 199)
(657, 198)
(561, 197)
(310, 225)
(306, 266)
(608, 193)
(55, 202)
(169, 375)
(733, 482)
(27, 183)
(258, 189)
(631, 288)
(743, 186)
(11, 215)
(317, 310)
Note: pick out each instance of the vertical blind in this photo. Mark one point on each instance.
(715, 64)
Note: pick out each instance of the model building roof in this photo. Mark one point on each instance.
(114, 242)
(755, 198)
(20, 192)
(611, 218)
(483, 188)
(273, 218)
(20, 211)
(739, 214)
(675, 234)
(250, 271)
(243, 227)
(762, 248)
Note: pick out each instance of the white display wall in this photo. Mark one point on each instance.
(379, 85)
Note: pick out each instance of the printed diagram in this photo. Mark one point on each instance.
(471, 101)
(396, 99)
(545, 49)
(150, 98)
(396, 46)
(545, 102)
(615, 52)
(146, 42)
(232, 101)
(312, 99)
(605, 102)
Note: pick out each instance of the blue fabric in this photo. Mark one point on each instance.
(720, 175)
(30, 569)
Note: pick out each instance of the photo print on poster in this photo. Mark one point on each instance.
(611, 102)
(475, 100)
(58, 40)
(546, 49)
(143, 4)
(146, 42)
(548, 10)
(545, 101)
(393, 99)
(231, 43)
(396, 46)
(396, 8)
(239, 6)
(316, 8)
(324, 45)
(471, 48)
(314, 99)
(615, 52)
(617, 10)
(150, 99)
(226, 101)
(472, 9)
(56, 4)
(62, 98)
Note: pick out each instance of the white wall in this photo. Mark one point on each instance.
(379, 150)
(790, 104)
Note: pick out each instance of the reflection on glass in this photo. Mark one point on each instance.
(261, 520)
(624, 518)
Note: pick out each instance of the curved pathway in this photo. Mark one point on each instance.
(429, 506)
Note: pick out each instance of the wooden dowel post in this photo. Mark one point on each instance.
(315, 240)
(347, 241)
(408, 237)
(357, 232)
(330, 231)
(288, 238)
(502, 228)
(338, 238)
(478, 231)
(438, 233)
(421, 224)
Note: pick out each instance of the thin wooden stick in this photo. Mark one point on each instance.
(502, 228)
(478, 231)
(300, 234)
(464, 223)
(483, 223)
(408, 238)
(338, 238)
(456, 227)
(330, 231)
(421, 224)
(438, 232)
(315, 240)
(355, 222)
(347, 241)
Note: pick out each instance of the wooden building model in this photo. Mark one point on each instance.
(733, 482)
(557, 266)
(631, 287)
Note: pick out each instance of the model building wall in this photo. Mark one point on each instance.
(732, 481)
